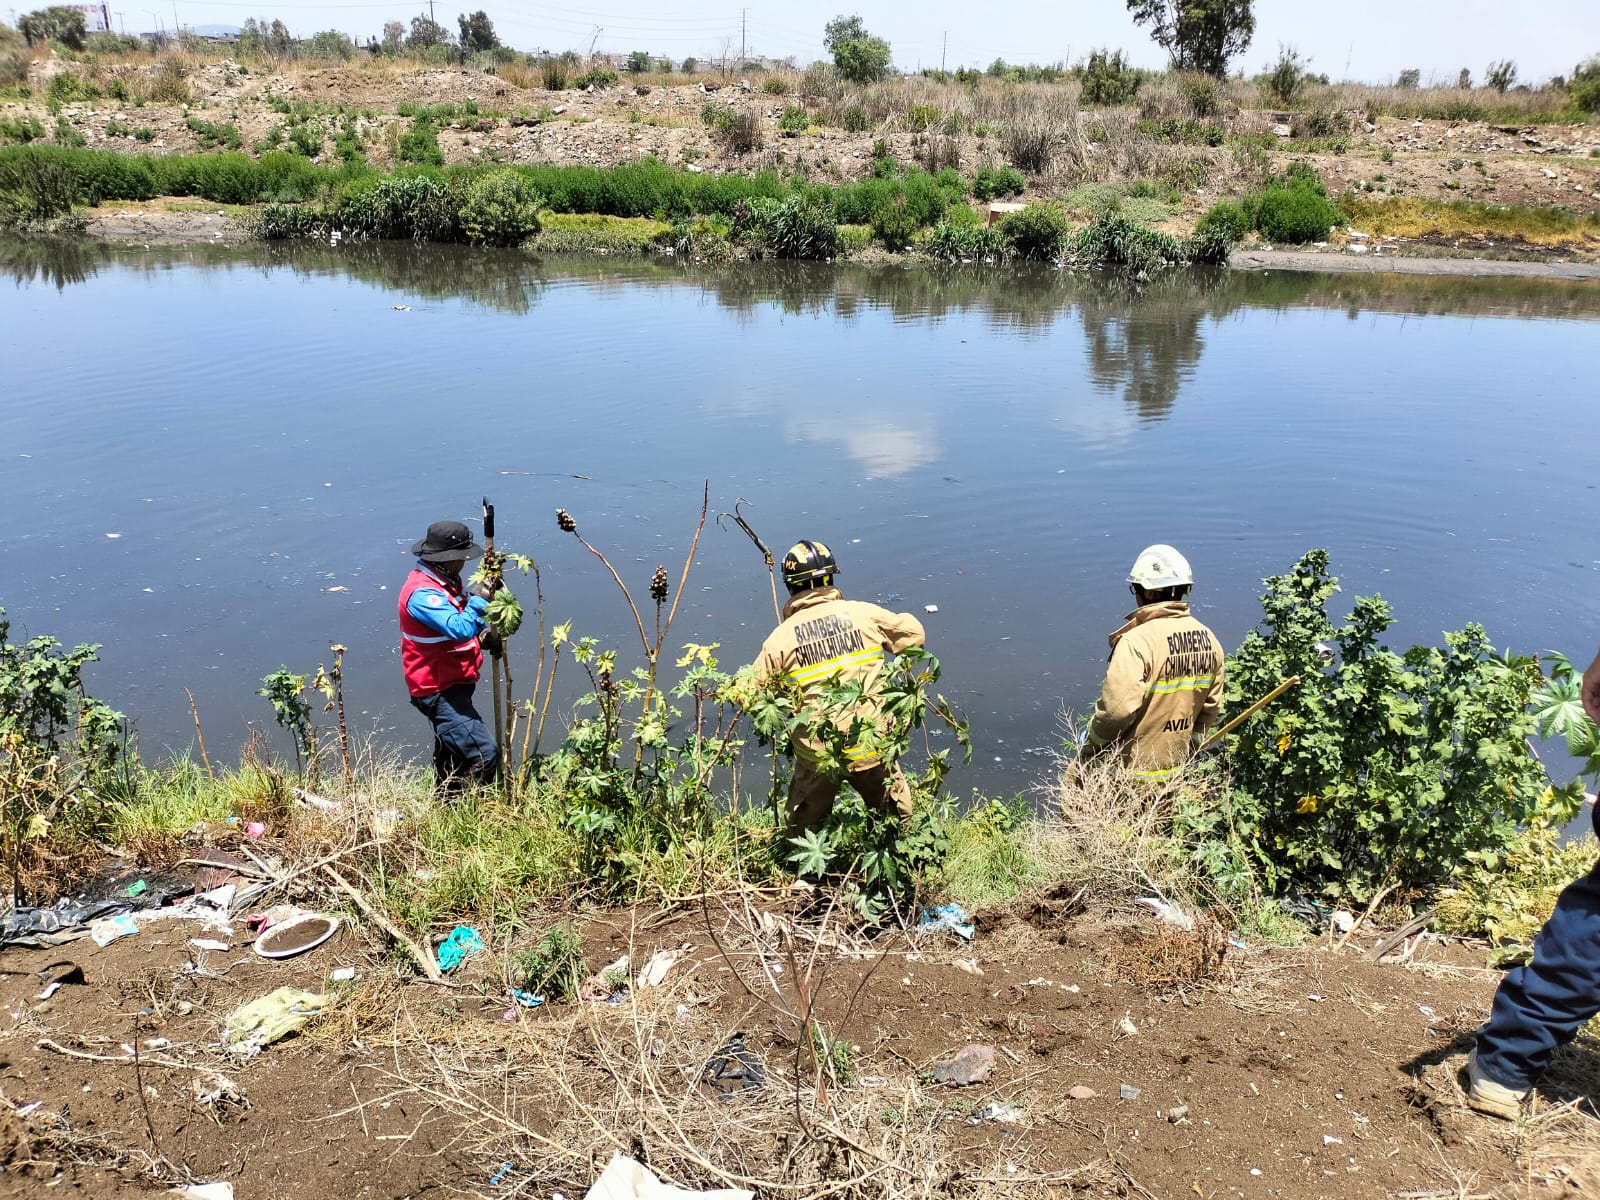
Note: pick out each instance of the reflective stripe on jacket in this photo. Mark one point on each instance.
(823, 637)
(432, 660)
(1162, 690)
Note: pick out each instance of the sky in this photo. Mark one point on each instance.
(1365, 40)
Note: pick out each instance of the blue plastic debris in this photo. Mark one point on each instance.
(498, 1177)
(950, 918)
(463, 940)
(525, 999)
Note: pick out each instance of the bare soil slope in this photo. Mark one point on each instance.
(1303, 1073)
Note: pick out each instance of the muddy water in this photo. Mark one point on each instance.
(212, 460)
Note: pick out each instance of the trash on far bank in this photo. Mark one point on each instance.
(263, 1021)
(969, 965)
(208, 944)
(1079, 1091)
(734, 1069)
(971, 1064)
(57, 975)
(657, 965)
(1344, 920)
(205, 1191)
(137, 888)
(1177, 1113)
(1005, 1114)
(342, 974)
(463, 941)
(109, 929)
(1127, 1027)
(1170, 913)
(627, 1179)
(295, 936)
(950, 918)
(1128, 1092)
(524, 999)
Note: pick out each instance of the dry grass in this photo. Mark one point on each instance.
(564, 1090)
(1415, 217)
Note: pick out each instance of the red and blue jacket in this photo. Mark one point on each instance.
(439, 629)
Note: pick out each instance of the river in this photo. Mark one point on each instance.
(213, 459)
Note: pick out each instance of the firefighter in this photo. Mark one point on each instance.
(824, 637)
(1163, 687)
(441, 652)
(1542, 1005)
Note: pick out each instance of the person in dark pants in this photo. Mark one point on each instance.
(1542, 1005)
(441, 652)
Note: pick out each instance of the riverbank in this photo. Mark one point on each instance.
(170, 221)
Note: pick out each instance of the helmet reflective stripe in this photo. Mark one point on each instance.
(1160, 566)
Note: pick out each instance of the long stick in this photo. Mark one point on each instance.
(772, 574)
(1248, 713)
(420, 956)
(200, 737)
(491, 573)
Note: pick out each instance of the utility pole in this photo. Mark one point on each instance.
(945, 45)
(430, 12)
(743, 12)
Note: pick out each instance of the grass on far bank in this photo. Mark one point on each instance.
(1414, 217)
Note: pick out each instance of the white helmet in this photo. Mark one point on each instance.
(1160, 567)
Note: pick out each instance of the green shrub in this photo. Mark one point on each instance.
(596, 77)
(65, 134)
(278, 222)
(1381, 769)
(25, 128)
(67, 88)
(35, 187)
(1108, 79)
(924, 197)
(13, 57)
(775, 85)
(553, 74)
(1113, 240)
(1201, 94)
(144, 134)
(419, 144)
(958, 240)
(499, 208)
(405, 207)
(1211, 245)
(553, 967)
(921, 117)
(213, 135)
(1040, 231)
(117, 88)
(788, 228)
(1584, 87)
(853, 119)
(794, 120)
(305, 139)
(1295, 215)
(992, 183)
(1228, 217)
(170, 85)
(894, 225)
(1287, 77)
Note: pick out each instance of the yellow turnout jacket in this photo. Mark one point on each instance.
(1162, 690)
(824, 636)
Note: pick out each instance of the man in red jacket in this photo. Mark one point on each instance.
(440, 627)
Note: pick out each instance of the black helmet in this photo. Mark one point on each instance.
(808, 564)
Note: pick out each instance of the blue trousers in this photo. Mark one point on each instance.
(1543, 1004)
(464, 750)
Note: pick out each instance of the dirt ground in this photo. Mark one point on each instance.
(1290, 1073)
